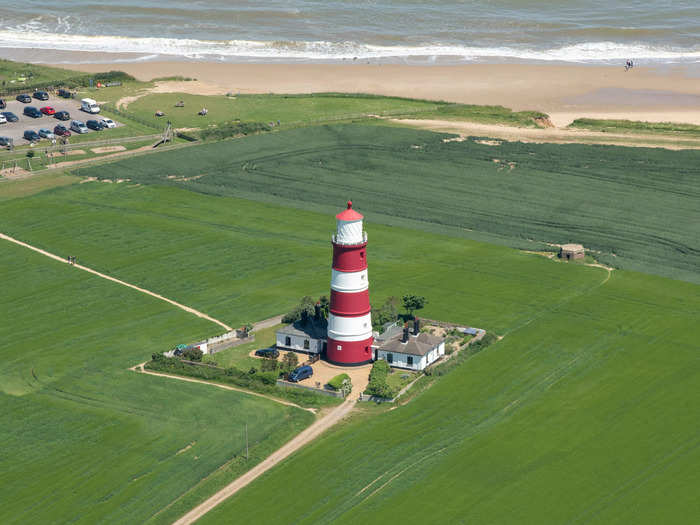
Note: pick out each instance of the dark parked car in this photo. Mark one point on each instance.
(31, 136)
(65, 93)
(61, 131)
(5, 141)
(11, 117)
(41, 95)
(95, 124)
(24, 98)
(3, 104)
(301, 373)
(31, 111)
(62, 115)
(271, 353)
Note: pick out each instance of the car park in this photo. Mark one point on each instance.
(48, 110)
(31, 136)
(3, 120)
(78, 126)
(45, 133)
(61, 131)
(41, 95)
(109, 123)
(11, 117)
(271, 353)
(5, 141)
(65, 93)
(95, 124)
(26, 99)
(3, 104)
(301, 373)
(31, 111)
(62, 115)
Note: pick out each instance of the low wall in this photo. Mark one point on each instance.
(331, 393)
(376, 399)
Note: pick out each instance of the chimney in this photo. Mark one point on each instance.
(416, 326)
(404, 339)
(317, 311)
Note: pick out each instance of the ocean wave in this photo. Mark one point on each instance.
(321, 50)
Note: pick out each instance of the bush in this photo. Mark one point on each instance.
(378, 385)
(233, 129)
(290, 361)
(192, 354)
(337, 381)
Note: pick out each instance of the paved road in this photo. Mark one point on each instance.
(307, 436)
(123, 283)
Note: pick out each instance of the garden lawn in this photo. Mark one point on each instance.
(634, 208)
(85, 440)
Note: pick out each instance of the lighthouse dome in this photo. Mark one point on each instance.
(349, 229)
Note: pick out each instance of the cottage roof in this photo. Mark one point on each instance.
(349, 214)
(311, 328)
(572, 247)
(416, 345)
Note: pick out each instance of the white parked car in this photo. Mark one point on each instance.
(45, 133)
(3, 120)
(78, 126)
(109, 123)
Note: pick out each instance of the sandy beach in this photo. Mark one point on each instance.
(564, 92)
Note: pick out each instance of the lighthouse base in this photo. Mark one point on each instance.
(349, 353)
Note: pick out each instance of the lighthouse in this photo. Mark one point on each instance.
(349, 321)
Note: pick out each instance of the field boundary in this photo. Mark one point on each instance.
(118, 281)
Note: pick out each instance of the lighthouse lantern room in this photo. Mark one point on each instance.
(349, 321)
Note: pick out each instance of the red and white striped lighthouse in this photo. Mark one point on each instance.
(350, 320)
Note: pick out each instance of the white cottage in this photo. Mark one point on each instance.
(303, 336)
(411, 351)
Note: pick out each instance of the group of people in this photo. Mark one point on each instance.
(629, 65)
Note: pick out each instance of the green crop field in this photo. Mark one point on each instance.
(635, 208)
(84, 439)
(588, 414)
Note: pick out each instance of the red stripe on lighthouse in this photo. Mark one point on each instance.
(349, 258)
(350, 304)
(349, 353)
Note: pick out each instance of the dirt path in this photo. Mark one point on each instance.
(94, 272)
(267, 323)
(140, 368)
(307, 436)
(552, 135)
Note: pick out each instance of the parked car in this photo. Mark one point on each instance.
(78, 126)
(95, 124)
(3, 120)
(31, 136)
(65, 93)
(5, 141)
(41, 95)
(61, 131)
(271, 353)
(301, 373)
(109, 123)
(45, 133)
(89, 105)
(62, 115)
(31, 111)
(11, 117)
(48, 110)
(3, 104)
(24, 98)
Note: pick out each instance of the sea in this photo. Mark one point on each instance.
(402, 31)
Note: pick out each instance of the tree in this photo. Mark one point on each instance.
(325, 305)
(413, 302)
(269, 365)
(192, 354)
(387, 313)
(301, 312)
(290, 361)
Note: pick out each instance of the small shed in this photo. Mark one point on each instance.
(571, 252)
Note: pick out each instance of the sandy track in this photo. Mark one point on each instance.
(308, 435)
(123, 283)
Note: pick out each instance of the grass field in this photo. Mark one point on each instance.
(633, 126)
(636, 207)
(584, 415)
(84, 439)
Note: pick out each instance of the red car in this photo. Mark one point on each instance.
(47, 110)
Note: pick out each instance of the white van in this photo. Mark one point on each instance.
(78, 126)
(89, 105)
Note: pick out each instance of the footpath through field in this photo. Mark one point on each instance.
(123, 283)
(308, 435)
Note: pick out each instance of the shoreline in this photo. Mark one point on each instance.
(565, 92)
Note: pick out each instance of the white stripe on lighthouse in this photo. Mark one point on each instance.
(349, 328)
(349, 282)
